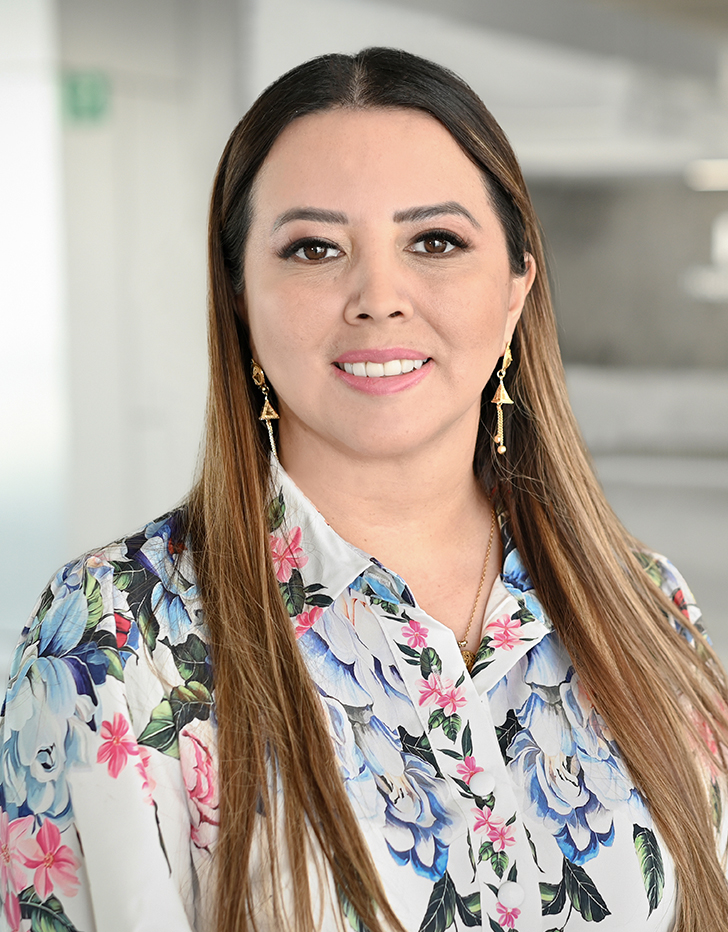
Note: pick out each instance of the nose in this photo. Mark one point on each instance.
(377, 290)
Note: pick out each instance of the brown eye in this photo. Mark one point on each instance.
(437, 243)
(310, 250)
(314, 251)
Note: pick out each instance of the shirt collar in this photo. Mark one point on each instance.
(313, 562)
(309, 544)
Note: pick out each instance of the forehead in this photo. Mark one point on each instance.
(364, 159)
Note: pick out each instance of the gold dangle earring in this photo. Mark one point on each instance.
(501, 398)
(268, 413)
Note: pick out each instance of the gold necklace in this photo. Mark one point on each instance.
(468, 655)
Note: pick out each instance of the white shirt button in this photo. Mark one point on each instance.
(482, 783)
(511, 894)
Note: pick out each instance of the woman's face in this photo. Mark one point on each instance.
(378, 290)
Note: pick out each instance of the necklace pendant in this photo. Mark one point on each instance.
(468, 658)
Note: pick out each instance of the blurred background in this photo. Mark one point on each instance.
(113, 116)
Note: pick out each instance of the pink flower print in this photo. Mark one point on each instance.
(483, 819)
(468, 769)
(117, 746)
(198, 771)
(451, 699)
(500, 834)
(306, 619)
(507, 917)
(287, 554)
(13, 872)
(148, 781)
(431, 689)
(11, 908)
(504, 632)
(416, 634)
(55, 865)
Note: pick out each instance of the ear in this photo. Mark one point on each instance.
(520, 286)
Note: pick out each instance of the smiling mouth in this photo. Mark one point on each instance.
(376, 370)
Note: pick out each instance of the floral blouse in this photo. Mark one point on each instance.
(495, 800)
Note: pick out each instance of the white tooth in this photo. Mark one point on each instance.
(418, 363)
(393, 367)
(359, 368)
(408, 365)
(348, 367)
(374, 370)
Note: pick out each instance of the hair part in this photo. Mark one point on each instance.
(581, 560)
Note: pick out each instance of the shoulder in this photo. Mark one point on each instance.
(110, 605)
(138, 577)
(672, 583)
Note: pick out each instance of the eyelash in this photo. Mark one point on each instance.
(287, 251)
(292, 248)
(445, 235)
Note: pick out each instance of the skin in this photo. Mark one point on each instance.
(392, 473)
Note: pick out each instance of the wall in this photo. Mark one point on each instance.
(137, 181)
(33, 400)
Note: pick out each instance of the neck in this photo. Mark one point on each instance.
(404, 509)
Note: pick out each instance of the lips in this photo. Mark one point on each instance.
(382, 372)
(371, 369)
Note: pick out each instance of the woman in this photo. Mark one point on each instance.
(526, 734)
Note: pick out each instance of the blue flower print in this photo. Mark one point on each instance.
(405, 796)
(564, 758)
(172, 595)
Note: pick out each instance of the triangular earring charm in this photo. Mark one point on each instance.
(268, 413)
(501, 396)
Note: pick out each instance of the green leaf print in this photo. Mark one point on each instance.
(553, 898)
(650, 858)
(115, 668)
(651, 566)
(148, 624)
(452, 725)
(468, 908)
(437, 717)
(193, 700)
(430, 662)
(45, 915)
(483, 657)
(161, 733)
(419, 747)
(94, 599)
(319, 599)
(524, 614)
(124, 573)
(440, 912)
(507, 732)
(45, 603)
(276, 511)
(294, 595)
(467, 741)
(409, 652)
(350, 914)
(584, 896)
(498, 859)
(190, 658)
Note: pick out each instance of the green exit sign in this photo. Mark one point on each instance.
(86, 96)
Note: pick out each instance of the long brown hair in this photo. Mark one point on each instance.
(275, 756)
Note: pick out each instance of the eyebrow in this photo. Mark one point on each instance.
(309, 213)
(415, 214)
(410, 215)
